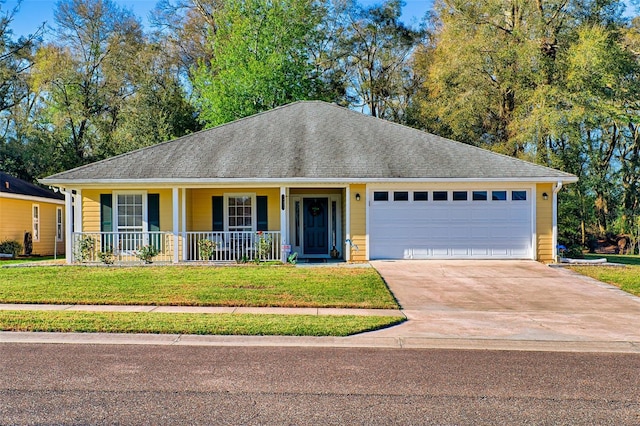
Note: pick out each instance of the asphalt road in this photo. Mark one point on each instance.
(115, 384)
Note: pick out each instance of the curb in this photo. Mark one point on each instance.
(359, 341)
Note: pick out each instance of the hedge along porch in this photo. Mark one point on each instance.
(243, 222)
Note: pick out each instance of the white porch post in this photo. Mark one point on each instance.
(176, 222)
(347, 225)
(68, 231)
(284, 234)
(184, 223)
(77, 217)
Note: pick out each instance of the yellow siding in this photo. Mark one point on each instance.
(16, 219)
(91, 210)
(199, 206)
(358, 223)
(544, 224)
(166, 208)
(189, 197)
(200, 209)
(273, 206)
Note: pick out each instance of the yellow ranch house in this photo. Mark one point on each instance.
(34, 212)
(313, 180)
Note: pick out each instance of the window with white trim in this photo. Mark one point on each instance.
(59, 224)
(498, 195)
(35, 209)
(381, 196)
(130, 220)
(130, 213)
(479, 195)
(440, 195)
(240, 213)
(460, 195)
(518, 195)
(400, 196)
(420, 196)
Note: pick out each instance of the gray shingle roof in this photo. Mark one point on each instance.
(309, 140)
(13, 185)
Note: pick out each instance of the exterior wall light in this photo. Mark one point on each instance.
(545, 196)
(358, 197)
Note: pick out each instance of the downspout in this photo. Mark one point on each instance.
(556, 189)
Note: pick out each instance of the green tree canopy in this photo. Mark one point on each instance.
(260, 59)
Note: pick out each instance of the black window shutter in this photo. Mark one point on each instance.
(218, 213)
(106, 222)
(153, 212)
(106, 213)
(262, 213)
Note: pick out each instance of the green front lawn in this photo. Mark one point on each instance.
(280, 286)
(220, 324)
(30, 260)
(626, 278)
(195, 286)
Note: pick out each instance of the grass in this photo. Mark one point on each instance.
(29, 260)
(626, 278)
(203, 324)
(278, 286)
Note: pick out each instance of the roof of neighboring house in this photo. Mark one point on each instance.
(13, 185)
(308, 140)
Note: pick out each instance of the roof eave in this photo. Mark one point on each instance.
(166, 182)
(34, 198)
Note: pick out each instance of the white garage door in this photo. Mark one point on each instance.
(454, 224)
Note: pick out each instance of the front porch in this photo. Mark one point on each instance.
(127, 247)
(234, 224)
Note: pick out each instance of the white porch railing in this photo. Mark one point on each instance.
(234, 246)
(95, 247)
(122, 247)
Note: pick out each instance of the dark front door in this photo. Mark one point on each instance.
(316, 225)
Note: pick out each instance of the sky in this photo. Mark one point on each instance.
(33, 13)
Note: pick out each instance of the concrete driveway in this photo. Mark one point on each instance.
(508, 300)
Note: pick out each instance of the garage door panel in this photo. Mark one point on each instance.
(480, 232)
(499, 252)
(460, 252)
(436, 252)
(480, 252)
(458, 213)
(429, 229)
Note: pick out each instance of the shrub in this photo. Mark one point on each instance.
(206, 247)
(84, 248)
(263, 246)
(107, 257)
(573, 251)
(12, 247)
(147, 253)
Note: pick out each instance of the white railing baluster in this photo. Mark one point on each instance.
(232, 246)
